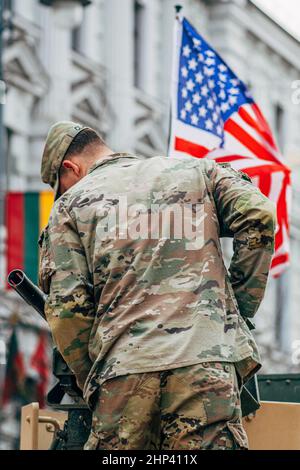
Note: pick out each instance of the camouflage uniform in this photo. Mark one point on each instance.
(120, 306)
(193, 407)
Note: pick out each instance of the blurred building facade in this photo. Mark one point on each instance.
(109, 66)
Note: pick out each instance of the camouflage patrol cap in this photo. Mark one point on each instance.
(58, 141)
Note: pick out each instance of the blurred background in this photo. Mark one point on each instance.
(107, 64)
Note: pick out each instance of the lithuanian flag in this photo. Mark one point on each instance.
(27, 215)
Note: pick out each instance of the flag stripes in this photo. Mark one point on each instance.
(26, 215)
(214, 116)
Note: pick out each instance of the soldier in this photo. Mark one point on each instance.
(145, 314)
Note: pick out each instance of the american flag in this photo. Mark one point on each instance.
(215, 116)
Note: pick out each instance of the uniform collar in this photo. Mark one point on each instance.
(108, 158)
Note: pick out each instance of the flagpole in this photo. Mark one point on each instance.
(178, 9)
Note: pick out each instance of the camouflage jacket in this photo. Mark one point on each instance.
(129, 296)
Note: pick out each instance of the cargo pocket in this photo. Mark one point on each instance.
(239, 435)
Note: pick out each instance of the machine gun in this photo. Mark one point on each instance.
(65, 395)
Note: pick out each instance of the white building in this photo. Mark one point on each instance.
(109, 66)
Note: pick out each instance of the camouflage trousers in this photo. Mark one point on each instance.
(193, 407)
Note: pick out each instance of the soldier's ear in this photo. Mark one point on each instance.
(70, 165)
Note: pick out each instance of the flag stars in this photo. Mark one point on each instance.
(194, 119)
(202, 111)
(184, 93)
(184, 72)
(208, 90)
(235, 81)
(188, 106)
(208, 94)
(192, 64)
(186, 51)
(210, 103)
(215, 117)
(222, 77)
(232, 100)
(196, 98)
(183, 114)
(210, 61)
(219, 130)
(196, 42)
(222, 95)
(204, 90)
(214, 97)
(209, 72)
(224, 107)
(209, 124)
(190, 85)
(199, 77)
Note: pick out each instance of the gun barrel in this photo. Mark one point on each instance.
(18, 280)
